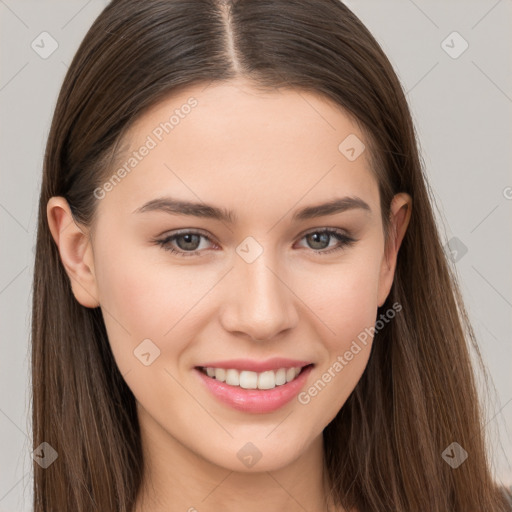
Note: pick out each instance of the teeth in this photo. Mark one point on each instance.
(290, 374)
(248, 380)
(220, 374)
(232, 378)
(266, 380)
(253, 380)
(280, 377)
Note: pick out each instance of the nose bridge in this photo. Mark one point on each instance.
(262, 305)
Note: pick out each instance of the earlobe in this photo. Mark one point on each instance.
(400, 215)
(75, 251)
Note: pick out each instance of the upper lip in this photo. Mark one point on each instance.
(256, 366)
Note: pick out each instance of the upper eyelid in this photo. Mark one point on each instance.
(325, 228)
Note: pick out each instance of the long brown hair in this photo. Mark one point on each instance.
(417, 394)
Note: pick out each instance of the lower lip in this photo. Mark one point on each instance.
(255, 400)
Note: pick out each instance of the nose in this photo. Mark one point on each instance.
(259, 302)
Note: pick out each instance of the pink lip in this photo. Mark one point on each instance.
(255, 400)
(256, 366)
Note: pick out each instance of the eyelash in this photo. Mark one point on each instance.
(345, 241)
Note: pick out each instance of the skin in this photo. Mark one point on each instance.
(263, 155)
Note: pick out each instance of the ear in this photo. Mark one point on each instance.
(75, 251)
(400, 214)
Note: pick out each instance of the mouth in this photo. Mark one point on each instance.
(246, 379)
(254, 392)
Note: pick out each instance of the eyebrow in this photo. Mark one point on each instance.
(177, 207)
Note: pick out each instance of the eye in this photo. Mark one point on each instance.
(188, 243)
(319, 238)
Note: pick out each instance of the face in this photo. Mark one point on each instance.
(250, 278)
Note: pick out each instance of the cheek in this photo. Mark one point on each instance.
(344, 297)
(139, 303)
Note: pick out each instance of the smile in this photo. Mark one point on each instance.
(264, 392)
(253, 380)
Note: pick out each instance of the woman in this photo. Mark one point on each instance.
(241, 300)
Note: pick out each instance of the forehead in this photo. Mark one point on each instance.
(233, 144)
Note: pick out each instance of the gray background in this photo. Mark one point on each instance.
(462, 110)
